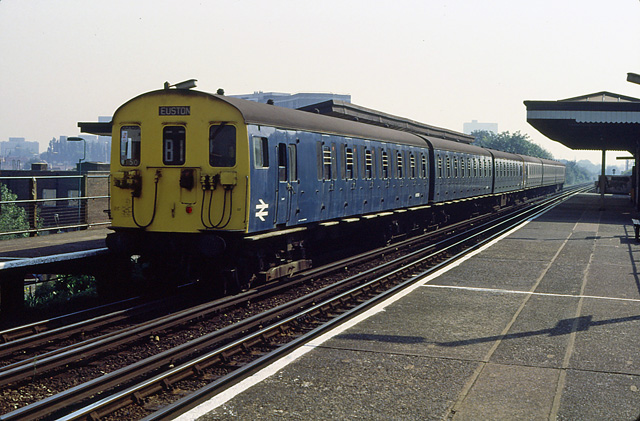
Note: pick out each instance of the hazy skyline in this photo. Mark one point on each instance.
(440, 62)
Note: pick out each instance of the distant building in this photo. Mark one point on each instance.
(292, 100)
(475, 126)
(18, 146)
(17, 152)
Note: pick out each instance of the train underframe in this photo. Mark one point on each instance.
(227, 262)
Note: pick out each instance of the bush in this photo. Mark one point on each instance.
(62, 290)
(12, 216)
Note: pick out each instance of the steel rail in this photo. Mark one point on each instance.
(137, 393)
(41, 327)
(165, 380)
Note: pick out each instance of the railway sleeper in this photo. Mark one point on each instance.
(166, 384)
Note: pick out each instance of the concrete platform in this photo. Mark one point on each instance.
(47, 245)
(543, 324)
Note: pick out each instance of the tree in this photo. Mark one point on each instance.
(12, 216)
(576, 174)
(506, 142)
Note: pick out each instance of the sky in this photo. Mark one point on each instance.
(439, 62)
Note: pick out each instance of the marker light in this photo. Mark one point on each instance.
(189, 209)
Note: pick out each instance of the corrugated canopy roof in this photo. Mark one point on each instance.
(602, 120)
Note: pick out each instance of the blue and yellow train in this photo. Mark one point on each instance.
(207, 185)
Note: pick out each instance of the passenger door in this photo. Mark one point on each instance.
(287, 187)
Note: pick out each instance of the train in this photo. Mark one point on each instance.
(229, 191)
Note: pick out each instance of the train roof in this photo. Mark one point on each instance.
(448, 145)
(505, 155)
(350, 111)
(528, 158)
(552, 162)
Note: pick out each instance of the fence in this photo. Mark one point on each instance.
(39, 204)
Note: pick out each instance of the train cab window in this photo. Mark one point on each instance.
(260, 152)
(368, 164)
(173, 145)
(130, 145)
(222, 146)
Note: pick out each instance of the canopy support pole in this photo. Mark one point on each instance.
(603, 179)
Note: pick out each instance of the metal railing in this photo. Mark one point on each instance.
(35, 205)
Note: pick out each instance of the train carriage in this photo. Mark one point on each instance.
(532, 172)
(553, 174)
(322, 175)
(508, 172)
(461, 171)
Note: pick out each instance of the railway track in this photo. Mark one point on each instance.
(228, 353)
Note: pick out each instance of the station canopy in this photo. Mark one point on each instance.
(598, 121)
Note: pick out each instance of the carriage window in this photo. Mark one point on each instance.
(439, 166)
(448, 167)
(282, 162)
(368, 164)
(462, 172)
(423, 166)
(400, 164)
(222, 146)
(385, 165)
(130, 145)
(349, 163)
(412, 166)
(326, 163)
(319, 160)
(260, 152)
(293, 163)
(455, 167)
